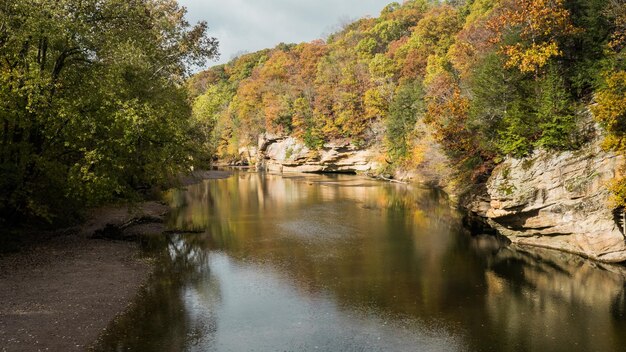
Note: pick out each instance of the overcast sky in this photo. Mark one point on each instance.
(251, 25)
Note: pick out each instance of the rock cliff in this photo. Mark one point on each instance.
(557, 201)
(287, 154)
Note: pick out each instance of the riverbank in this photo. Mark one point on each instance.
(63, 288)
(60, 293)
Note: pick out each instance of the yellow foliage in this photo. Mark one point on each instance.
(480, 9)
(418, 154)
(610, 109)
(617, 187)
(376, 106)
(540, 23)
(433, 35)
(436, 66)
(532, 58)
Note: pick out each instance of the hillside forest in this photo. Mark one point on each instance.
(483, 79)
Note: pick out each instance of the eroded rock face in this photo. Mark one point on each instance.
(557, 201)
(287, 154)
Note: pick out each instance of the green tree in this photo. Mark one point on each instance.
(495, 89)
(207, 109)
(92, 101)
(407, 106)
(556, 113)
(518, 132)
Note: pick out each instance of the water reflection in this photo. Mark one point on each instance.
(546, 300)
(340, 263)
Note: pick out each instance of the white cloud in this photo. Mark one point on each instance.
(250, 25)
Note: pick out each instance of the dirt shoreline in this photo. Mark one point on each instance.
(61, 293)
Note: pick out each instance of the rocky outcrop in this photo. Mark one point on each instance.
(287, 154)
(557, 201)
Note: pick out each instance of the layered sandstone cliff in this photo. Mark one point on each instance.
(287, 154)
(558, 201)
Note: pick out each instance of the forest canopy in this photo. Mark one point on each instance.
(486, 79)
(93, 105)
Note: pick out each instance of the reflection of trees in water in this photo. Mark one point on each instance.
(395, 265)
(188, 259)
(251, 193)
(162, 314)
(383, 249)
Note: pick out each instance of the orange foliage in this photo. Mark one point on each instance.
(279, 66)
(395, 45)
(471, 44)
(414, 64)
(246, 107)
(309, 57)
(540, 24)
(449, 118)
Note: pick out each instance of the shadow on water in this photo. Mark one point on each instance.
(342, 263)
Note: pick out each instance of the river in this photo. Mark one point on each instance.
(343, 263)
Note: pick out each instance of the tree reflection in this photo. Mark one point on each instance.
(164, 315)
(386, 250)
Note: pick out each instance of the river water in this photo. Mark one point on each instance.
(343, 263)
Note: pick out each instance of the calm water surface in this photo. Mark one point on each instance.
(341, 263)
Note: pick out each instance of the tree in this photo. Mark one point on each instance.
(92, 101)
(539, 24)
(492, 78)
(433, 35)
(407, 106)
(206, 112)
(610, 97)
(555, 113)
(472, 43)
(495, 89)
(610, 109)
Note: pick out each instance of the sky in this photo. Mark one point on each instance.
(251, 25)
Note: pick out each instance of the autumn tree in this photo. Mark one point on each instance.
(610, 107)
(433, 35)
(540, 25)
(206, 113)
(247, 109)
(447, 111)
(491, 79)
(472, 42)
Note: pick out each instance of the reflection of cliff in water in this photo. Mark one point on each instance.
(535, 295)
(249, 194)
